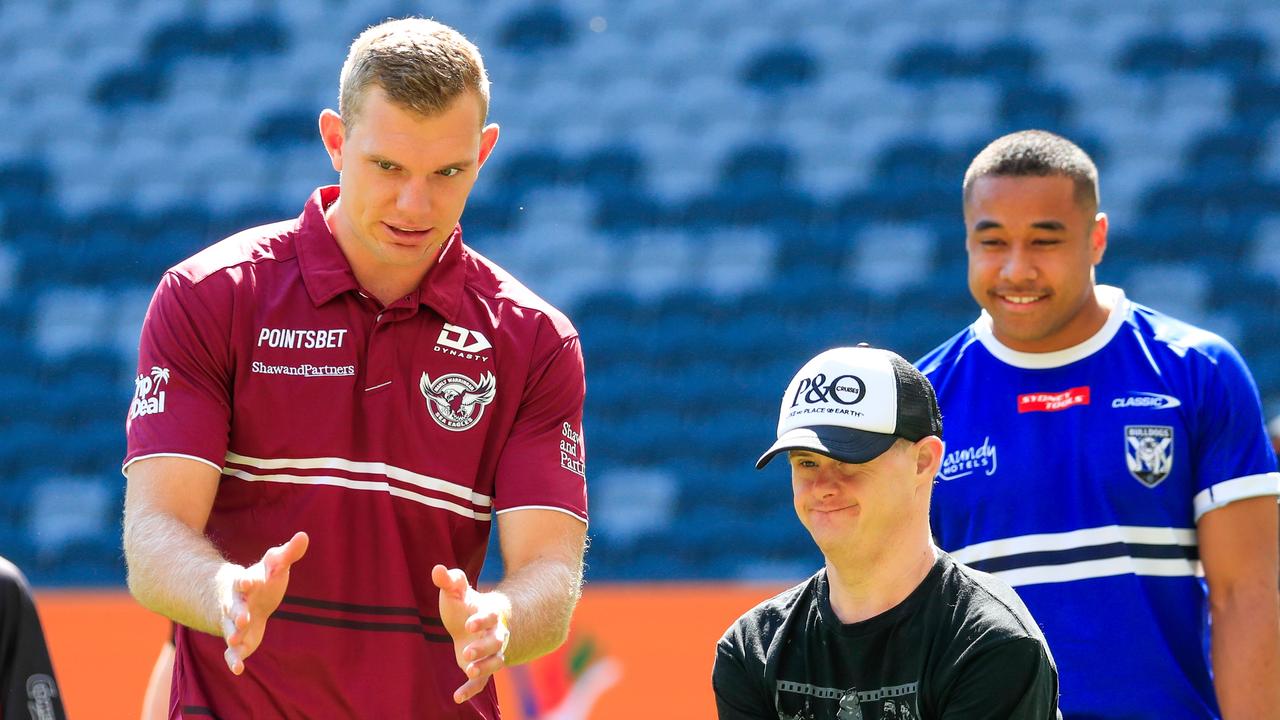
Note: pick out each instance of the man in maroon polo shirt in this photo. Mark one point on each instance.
(331, 411)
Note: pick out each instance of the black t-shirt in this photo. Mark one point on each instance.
(961, 646)
(28, 690)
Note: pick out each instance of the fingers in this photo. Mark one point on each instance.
(279, 558)
(234, 663)
(233, 629)
(451, 581)
(470, 689)
(482, 622)
(484, 667)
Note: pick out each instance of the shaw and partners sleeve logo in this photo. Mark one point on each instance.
(148, 398)
(1053, 402)
(1148, 450)
(571, 451)
(455, 401)
(961, 463)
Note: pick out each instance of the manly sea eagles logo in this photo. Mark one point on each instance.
(456, 401)
(1148, 450)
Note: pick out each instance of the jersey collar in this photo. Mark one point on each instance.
(982, 330)
(326, 272)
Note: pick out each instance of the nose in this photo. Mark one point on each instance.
(826, 481)
(1019, 266)
(414, 198)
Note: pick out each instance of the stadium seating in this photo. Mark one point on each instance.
(713, 191)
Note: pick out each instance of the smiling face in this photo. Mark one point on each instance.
(404, 180)
(858, 511)
(1032, 248)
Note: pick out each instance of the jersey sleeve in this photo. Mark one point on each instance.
(1233, 456)
(1014, 679)
(739, 694)
(543, 464)
(27, 685)
(181, 404)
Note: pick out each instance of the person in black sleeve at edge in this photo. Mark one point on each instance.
(891, 626)
(28, 690)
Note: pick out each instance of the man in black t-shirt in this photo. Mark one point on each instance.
(28, 690)
(891, 627)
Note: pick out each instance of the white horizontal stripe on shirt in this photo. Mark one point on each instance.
(1241, 488)
(570, 513)
(368, 468)
(1107, 567)
(1075, 539)
(374, 485)
(125, 469)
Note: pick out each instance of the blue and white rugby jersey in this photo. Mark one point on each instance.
(1078, 476)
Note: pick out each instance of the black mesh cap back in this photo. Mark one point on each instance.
(918, 414)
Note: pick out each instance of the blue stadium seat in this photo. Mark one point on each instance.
(538, 28)
(780, 68)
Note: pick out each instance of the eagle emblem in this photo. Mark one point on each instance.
(455, 401)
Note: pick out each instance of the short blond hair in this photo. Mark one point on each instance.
(420, 64)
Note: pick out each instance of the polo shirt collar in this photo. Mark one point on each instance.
(326, 272)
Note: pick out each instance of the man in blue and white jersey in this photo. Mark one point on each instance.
(1108, 461)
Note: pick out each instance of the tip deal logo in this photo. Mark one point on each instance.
(148, 398)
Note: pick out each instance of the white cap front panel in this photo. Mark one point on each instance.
(850, 387)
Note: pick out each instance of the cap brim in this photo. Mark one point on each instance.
(841, 443)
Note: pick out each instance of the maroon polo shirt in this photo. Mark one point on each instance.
(390, 435)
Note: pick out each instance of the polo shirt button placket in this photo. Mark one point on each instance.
(380, 355)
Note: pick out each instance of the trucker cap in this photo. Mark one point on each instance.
(851, 403)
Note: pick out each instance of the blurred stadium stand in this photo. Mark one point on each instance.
(713, 190)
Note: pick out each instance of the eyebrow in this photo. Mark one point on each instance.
(1053, 225)
(379, 156)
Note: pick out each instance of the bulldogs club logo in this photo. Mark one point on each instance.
(1148, 450)
(455, 401)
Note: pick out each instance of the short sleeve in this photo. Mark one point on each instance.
(181, 403)
(1233, 456)
(26, 673)
(1013, 680)
(739, 695)
(543, 463)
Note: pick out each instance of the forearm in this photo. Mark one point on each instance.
(540, 598)
(1246, 653)
(175, 571)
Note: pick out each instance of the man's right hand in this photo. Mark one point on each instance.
(249, 595)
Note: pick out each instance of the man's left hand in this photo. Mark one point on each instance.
(477, 622)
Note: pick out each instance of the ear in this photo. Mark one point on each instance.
(928, 459)
(333, 133)
(488, 138)
(1098, 238)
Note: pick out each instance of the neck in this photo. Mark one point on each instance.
(387, 283)
(860, 591)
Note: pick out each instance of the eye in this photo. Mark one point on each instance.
(450, 172)
(385, 165)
